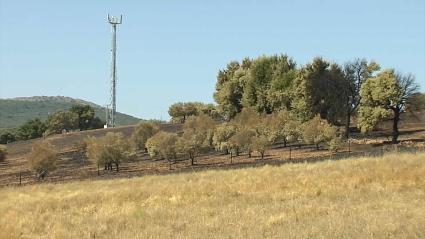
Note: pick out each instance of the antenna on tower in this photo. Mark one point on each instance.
(110, 112)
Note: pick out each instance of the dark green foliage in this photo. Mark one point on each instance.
(265, 72)
(15, 112)
(86, 117)
(31, 129)
(262, 83)
(355, 74)
(320, 89)
(8, 135)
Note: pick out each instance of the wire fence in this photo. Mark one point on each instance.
(27, 177)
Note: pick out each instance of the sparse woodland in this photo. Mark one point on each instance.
(259, 103)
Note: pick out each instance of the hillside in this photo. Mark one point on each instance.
(359, 198)
(16, 111)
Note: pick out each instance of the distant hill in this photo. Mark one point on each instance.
(16, 111)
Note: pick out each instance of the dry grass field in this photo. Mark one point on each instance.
(358, 198)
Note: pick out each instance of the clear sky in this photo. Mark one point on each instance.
(170, 51)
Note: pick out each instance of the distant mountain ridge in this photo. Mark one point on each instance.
(16, 111)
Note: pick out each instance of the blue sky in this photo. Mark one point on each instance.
(171, 51)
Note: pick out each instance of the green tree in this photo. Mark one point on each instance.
(242, 140)
(43, 158)
(180, 111)
(110, 149)
(222, 134)
(62, 120)
(163, 144)
(197, 135)
(319, 89)
(260, 144)
(317, 131)
(86, 117)
(229, 88)
(142, 133)
(355, 74)
(32, 129)
(383, 96)
(263, 73)
(283, 126)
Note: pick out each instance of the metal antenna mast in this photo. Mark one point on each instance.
(111, 110)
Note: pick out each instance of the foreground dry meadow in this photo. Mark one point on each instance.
(358, 198)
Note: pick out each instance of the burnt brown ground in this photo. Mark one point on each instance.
(73, 164)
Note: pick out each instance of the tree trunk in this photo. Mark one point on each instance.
(317, 146)
(231, 157)
(192, 158)
(249, 153)
(262, 155)
(116, 164)
(284, 142)
(347, 125)
(395, 126)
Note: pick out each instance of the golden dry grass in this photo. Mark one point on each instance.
(358, 198)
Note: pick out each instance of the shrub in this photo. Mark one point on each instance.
(3, 153)
(108, 150)
(42, 159)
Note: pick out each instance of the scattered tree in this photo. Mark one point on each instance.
(260, 144)
(163, 144)
(222, 134)
(179, 112)
(383, 96)
(62, 120)
(242, 141)
(317, 131)
(197, 135)
(110, 149)
(283, 126)
(355, 74)
(142, 133)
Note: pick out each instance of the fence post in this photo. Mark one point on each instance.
(20, 178)
(349, 146)
(290, 152)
